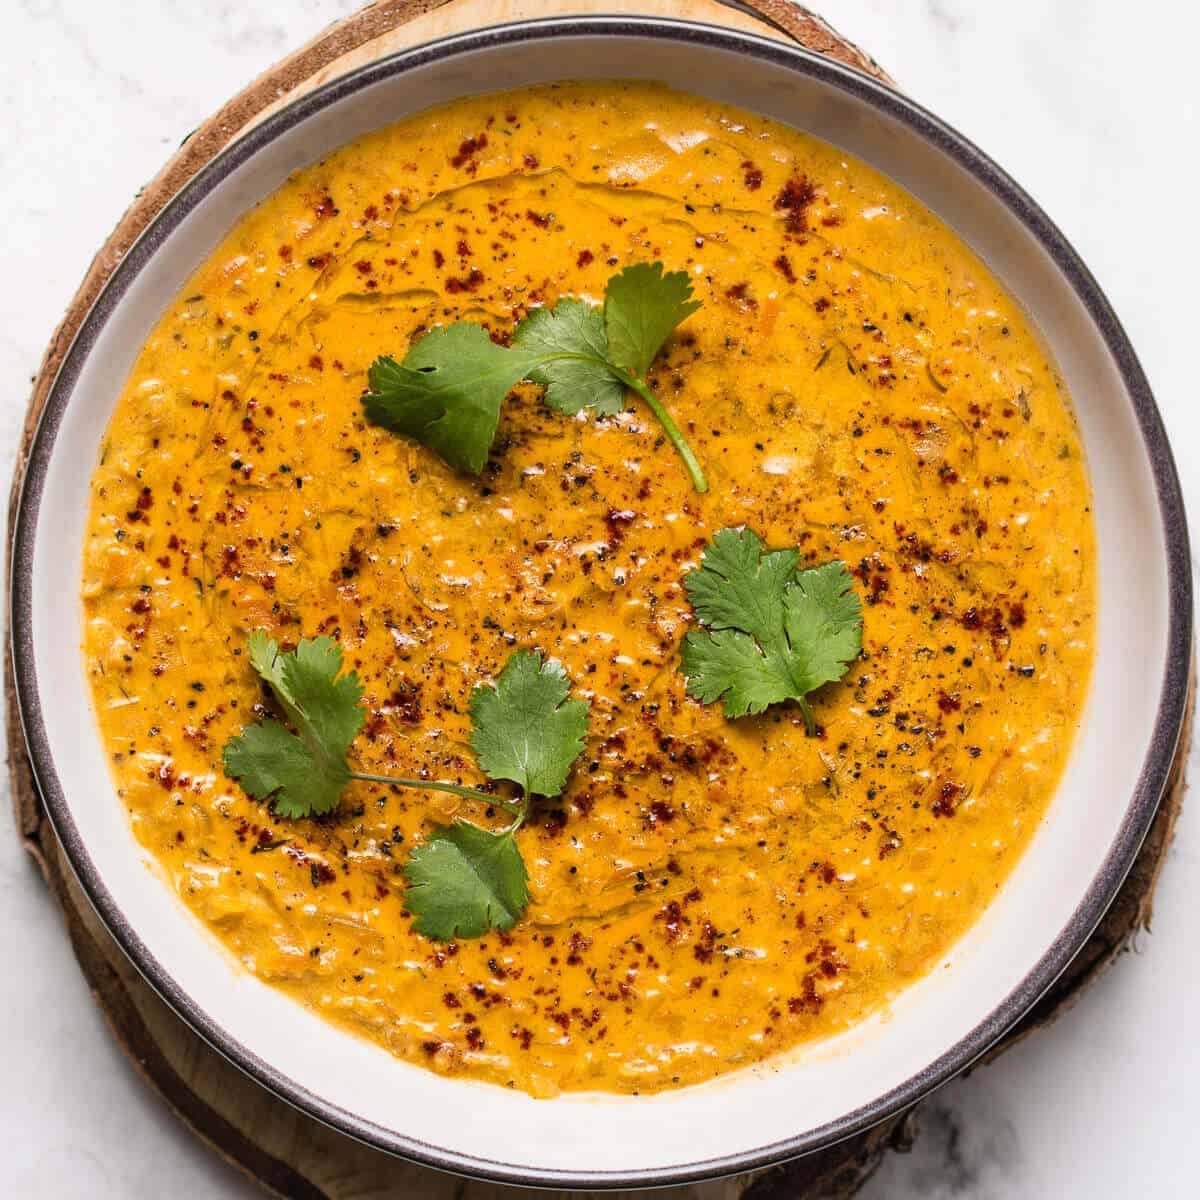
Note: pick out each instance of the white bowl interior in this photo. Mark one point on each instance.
(598, 1134)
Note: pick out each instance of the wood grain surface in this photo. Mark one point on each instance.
(288, 1153)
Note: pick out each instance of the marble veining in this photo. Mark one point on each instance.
(1089, 105)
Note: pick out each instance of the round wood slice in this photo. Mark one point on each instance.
(289, 1153)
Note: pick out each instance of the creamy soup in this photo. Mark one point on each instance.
(706, 893)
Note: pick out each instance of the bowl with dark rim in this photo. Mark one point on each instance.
(801, 1102)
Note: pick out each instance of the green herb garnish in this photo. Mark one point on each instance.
(525, 728)
(464, 879)
(774, 632)
(305, 771)
(448, 390)
(526, 731)
(447, 393)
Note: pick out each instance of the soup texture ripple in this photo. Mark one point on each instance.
(706, 893)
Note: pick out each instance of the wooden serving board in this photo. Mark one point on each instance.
(290, 1154)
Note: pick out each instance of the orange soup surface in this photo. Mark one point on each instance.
(706, 893)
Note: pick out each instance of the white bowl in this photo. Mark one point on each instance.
(1044, 914)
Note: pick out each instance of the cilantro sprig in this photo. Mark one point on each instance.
(774, 632)
(448, 391)
(463, 880)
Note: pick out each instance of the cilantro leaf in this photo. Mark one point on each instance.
(573, 365)
(642, 306)
(774, 632)
(740, 587)
(447, 393)
(303, 771)
(525, 728)
(823, 619)
(269, 760)
(464, 881)
(730, 664)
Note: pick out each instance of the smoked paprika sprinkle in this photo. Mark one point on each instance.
(704, 892)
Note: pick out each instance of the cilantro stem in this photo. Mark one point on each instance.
(519, 817)
(512, 807)
(673, 432)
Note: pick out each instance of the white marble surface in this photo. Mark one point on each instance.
(1088, 102)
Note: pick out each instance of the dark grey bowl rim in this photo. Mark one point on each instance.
(1173, 697)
